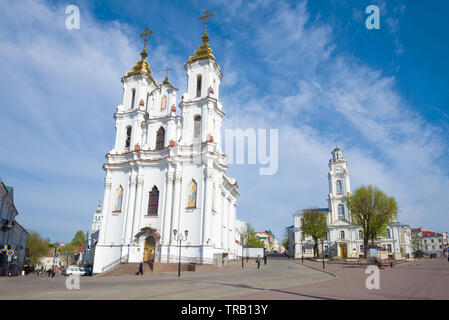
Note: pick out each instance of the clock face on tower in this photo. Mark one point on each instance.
(339, 169)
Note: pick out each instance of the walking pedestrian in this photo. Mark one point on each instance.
(265, 259)
(140, 269)
(258, 262)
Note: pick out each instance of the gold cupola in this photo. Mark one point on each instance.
(204, 51)
(142, 67)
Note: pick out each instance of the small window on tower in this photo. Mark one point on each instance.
(198, 85)
(133, 98)
(197, 127)
(128, 136)
(339, 186)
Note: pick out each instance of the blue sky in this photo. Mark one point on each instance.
(309, 69)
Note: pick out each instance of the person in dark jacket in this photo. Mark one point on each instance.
(258, 262)
(140, 269)
(265, 258)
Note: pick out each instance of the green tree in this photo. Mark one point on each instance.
(67, 253)
(250, 239)
(285, 243)
(372, 210)
(314, 225)
(37, 247)
(79, 239)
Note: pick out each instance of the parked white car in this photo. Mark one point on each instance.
(73, 270)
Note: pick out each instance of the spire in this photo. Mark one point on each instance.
(203, 51)
(142, 67)
(167, 69)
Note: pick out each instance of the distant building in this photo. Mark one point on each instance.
(92, 239)
(270, 243)
(13, 236)
(345, 238)
(431, 243)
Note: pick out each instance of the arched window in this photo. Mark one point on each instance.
(197, 127)
(341, 212)
(133, 98)
(339, 186)
(153, 201)
(160, 138)
(342, 234)
(198, 85)
(360, 234)
(388, 233)
(119, 199)
(191, 198)
(128, 136)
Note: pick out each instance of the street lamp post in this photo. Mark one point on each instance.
(180, 238)
(241, 240)
(302, 250)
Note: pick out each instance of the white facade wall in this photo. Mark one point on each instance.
(184, 158)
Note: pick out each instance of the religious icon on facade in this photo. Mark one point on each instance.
(164, 103)
(191, 199)
(118, 204)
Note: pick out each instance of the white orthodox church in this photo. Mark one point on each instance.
(345, 239)
(166, 174)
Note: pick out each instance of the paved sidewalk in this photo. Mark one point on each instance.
(422, 279)
(204, 285)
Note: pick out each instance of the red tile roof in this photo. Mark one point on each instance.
(431, 234)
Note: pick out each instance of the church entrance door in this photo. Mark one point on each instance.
(343, 250)
(148, 250)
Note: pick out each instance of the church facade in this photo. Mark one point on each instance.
(345, 239)
(166, 184)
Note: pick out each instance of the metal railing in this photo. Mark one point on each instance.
(184, 259)
(113, 264)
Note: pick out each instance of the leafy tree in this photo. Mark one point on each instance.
(250, 239)
(372, 210)
(36, 248)
(67, 253)
(314, 225)
(79, 239)
(285, 243)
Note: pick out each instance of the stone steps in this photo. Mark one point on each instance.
(155, 267)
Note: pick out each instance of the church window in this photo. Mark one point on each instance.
(128, 136)
(360, 234)
(119, 201)
(389, 247)
(133, 98)
(388, 233)
(160, 138)
(342, 234)
(153, 201)
(197, 127)
(341, 212)
(164, 103)
(198, 85)
(339, 186)
(191, 198)
(146, 104)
